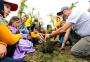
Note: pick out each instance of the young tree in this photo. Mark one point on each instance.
(22, 7)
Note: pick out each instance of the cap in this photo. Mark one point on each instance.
(62, 9)
(14, 6)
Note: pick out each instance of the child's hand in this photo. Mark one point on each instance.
(3, 50)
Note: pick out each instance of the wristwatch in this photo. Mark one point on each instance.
(50, 35)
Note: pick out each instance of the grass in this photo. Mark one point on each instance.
(57, 56)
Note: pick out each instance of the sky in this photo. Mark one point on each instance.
(45, 7)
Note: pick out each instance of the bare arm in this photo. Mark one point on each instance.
(65, 38)
(63, 28)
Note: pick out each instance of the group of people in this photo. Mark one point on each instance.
(78, 21)
(16, 39)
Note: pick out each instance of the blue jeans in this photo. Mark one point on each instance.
(8, 59)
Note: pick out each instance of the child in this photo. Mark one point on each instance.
(63, 37)
(60, 37)
(35, 35)
(24, 45)
(8, 41)
(23, 27)
(57, 25)
(49, 30)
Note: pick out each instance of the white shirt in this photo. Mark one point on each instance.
(81, 21)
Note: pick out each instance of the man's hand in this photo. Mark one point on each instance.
(53, 32)
(3, 50)
(47, 36)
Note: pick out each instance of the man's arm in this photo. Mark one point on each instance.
(60, 30)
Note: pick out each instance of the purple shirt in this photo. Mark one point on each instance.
(23, 46)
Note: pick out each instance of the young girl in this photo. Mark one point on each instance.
(8, 40)
(57, 26)
(35, 35)
(24, 45)
(23, 27)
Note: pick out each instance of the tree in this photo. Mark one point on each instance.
(22, 7)
(31, 16)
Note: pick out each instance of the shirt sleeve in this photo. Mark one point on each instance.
(3, 43)
(74, 17)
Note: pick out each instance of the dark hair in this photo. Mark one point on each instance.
(59, 13)
(33, 26)
(49, 26)
(1, 7)
(13, 19)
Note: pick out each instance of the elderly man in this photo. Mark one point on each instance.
(81, 21)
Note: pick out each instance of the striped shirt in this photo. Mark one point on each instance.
(81, 22)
